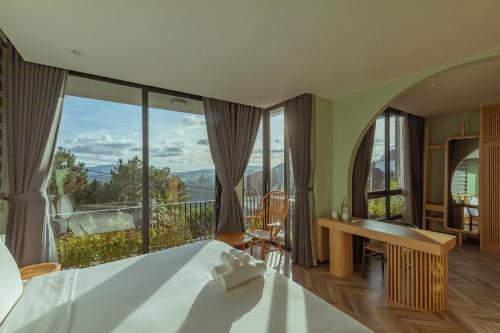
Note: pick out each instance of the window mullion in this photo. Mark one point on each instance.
(145, 170)
(387, 171)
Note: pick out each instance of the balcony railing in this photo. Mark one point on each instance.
(97, 234)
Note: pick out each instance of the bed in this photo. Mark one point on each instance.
(169, 291)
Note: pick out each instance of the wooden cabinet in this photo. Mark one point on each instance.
(490, 178)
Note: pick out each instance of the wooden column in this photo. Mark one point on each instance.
(489, 179)
(340, 253)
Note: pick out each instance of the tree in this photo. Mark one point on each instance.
(125, 184)
(68, 176)
(166, 187)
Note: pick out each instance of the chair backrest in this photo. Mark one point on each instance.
(272, 209)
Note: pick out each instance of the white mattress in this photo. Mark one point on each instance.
(170, 291)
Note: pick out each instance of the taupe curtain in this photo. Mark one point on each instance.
(299, 119)
(413, 190)
(360, 174)
(232, 129)
(415, 128)
(406, 188)
(32, 113)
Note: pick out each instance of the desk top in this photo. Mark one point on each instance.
(416, 239)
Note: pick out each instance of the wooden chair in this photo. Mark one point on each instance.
(373, 248)
(267, 220)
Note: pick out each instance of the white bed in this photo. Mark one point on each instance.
(169, 291)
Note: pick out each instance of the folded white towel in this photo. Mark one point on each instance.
(217, 270)
(244, 257)
(245, 273)
(230, 260)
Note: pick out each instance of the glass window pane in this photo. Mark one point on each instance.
(376, 208)
(396, 150)
(277, 146)
(95, 189)
(181, 174)
(396, 205)
(376, 177)
(253, 180)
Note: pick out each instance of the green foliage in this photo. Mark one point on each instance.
(124, 185)
(93, 249)
(68, 176)
(376, 207)
(168, 228)
(89, 250)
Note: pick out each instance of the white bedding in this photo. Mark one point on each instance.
(170, 291)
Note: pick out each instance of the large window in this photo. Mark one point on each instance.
(120, 148)
(95, 189)
(385, 177)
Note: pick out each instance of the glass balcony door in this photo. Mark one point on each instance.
(181, 172)
(269, 168)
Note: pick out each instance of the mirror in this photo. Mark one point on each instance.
(462, 190)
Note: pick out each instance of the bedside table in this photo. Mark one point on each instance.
(29, 272)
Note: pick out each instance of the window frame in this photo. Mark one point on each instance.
(146, 200)
(387, 193)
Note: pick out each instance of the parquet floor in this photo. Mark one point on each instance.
(474, 294)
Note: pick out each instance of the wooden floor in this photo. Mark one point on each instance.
(474, 294)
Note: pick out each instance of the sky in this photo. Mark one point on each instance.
(378, 144)
(101, 132)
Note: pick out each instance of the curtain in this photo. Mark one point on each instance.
(232, 129)
(360, 174)
(299, 120)
(406, 188)
(32, 113)
(413, 191)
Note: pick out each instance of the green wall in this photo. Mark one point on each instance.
(324, 162)
(353, 114)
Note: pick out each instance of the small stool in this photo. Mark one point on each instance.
(31, 271)
(238, 240)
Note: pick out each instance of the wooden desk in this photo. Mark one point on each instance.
(417, 260)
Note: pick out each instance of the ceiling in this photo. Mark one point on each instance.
(257, 52)
(458, 90)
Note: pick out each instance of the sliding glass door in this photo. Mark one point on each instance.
(269, 168)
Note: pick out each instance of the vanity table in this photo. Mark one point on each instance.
(417, 260)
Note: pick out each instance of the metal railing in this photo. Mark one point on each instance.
(100, 233)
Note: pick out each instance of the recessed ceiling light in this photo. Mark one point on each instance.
(176, 101)
(441, 56)
(76, 52)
